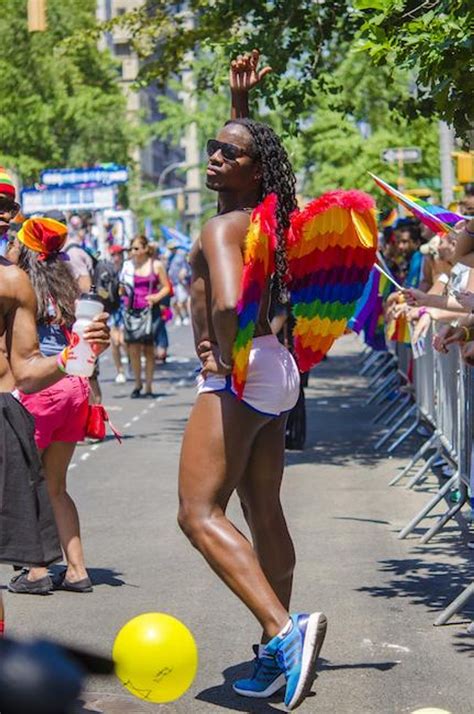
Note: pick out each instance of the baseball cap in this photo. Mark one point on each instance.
(116, 249)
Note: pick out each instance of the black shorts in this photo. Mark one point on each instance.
(28, 534)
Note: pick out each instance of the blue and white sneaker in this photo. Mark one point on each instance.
(267, 677)
(297, 652)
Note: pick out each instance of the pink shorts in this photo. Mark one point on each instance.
(60, 412)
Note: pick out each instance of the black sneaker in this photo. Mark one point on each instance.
(21, 585)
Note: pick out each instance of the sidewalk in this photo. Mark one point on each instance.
(382, 654)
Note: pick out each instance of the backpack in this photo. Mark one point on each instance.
(104, 278)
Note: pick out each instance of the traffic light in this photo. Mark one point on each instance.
(464, 166)
(37, 15)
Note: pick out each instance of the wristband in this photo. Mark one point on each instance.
(467, 333)
(422, 311)
(61, 361)
(469, 233)
(224, 364)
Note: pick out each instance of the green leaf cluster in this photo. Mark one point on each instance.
(59, 108)
(306, 41)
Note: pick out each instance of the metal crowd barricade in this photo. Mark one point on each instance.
(441, 398)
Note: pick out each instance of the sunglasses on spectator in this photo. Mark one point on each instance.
(9, 206)
(230, 152)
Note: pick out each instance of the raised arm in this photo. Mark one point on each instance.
(221, 242)
(244, 75)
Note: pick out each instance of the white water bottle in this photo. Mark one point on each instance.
(81, 358)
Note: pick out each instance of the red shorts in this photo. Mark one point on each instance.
(60, 412)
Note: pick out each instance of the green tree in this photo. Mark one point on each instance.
(59, 108)
(433, 39)
(305, 41)
(338, 139)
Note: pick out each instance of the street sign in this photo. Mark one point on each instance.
(105, 175)
(69, 199)
(409, 156)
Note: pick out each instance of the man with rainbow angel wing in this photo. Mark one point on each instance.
(235, 436)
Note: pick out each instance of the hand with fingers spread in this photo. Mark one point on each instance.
(422, 327)
(244, 74)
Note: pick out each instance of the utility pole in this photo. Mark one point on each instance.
(446, 147)
(37, 16)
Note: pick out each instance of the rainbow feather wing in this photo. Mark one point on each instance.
(259, 265)
(331, 249)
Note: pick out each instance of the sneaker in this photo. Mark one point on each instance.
(20, 584)
(120, 378)
(267, 677)
(297, 652)
(186, 321)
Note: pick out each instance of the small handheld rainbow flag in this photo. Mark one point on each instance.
(437, 218)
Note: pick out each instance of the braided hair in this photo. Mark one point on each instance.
(277, 177)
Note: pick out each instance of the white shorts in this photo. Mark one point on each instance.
(273, 379)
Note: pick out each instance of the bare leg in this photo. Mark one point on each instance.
(116, 343)
(96, 392)
(259, 493)
(216, 449)
(149, 366)
(56, 459)
(135, 353)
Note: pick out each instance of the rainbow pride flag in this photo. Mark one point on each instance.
(437, 218)
(369, 314)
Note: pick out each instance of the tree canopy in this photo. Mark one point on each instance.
(305, 41)
(58, 108)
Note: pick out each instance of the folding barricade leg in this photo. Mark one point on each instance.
(406, 415)
(450, 513)
(407, 432)
(439, 495)
(457, 604)
(423, 470)
(424, 448)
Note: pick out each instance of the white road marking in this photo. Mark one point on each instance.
(95, 447)
(72, 466)
(129, 423)
(85, 456)
(135, 418)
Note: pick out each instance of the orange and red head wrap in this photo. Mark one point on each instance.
(43, 235)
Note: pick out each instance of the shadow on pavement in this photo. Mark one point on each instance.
(464, 643)
(433, 585)
(98, 576)
(224, 696)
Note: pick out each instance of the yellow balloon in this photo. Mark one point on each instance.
(155, 657)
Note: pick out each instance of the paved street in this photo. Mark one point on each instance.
(382, 654)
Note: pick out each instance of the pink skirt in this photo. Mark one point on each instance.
(60, 412)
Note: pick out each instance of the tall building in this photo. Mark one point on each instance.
(158, 154)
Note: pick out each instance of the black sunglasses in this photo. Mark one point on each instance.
(230, 152)
(9, 206)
